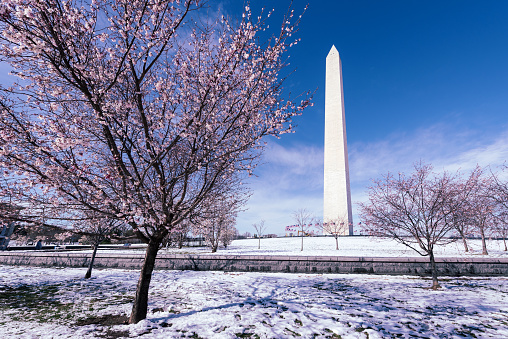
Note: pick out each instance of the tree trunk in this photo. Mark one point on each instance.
(484, 243)
(435, 282)
(464, 241)
(140, 307)
(90, 266)
(465, 244)
(214, 248)
(504, 240)
(302, 244)
(259, 243)
(337, 243)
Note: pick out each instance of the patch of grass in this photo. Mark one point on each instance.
(220, 329)
(104, 320)
(298, 322)
(157, 309)
(266, 324)
(28, 296)
(35, 302)
(247, 335)
(333, 334)
(112, 334)
(293, 332)
(466, 333)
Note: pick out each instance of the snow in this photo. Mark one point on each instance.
(356, 246)
(227, 305)
(38, 302)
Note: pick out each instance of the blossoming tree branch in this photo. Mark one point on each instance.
(136, 110)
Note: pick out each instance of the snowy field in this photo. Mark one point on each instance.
(348, 246)
(356, 246)
(57, 303)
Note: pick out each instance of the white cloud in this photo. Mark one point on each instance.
(289, 178)
(494, 154)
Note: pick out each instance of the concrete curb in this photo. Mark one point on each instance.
(261, 263)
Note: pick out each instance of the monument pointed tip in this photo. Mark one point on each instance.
(333, 50)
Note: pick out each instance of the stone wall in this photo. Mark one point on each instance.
(250, 263)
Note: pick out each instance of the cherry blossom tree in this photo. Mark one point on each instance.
(415, 210)
(336, 227)
(218, 218)
(215, 218)
(498, 191)
(121, 111)
(464, 216)
(478, 209)
(502, 228)
(228, 235)
(499, 187)
(178, 235)
(463, 227)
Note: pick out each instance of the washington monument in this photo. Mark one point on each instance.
(337, 193)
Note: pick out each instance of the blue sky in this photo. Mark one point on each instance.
(423, 80)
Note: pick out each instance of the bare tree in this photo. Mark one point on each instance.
(303, 219)
(415, 210)
(336, 227)
(121, 112)
(260, 230)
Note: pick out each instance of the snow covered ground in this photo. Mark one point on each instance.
(356, 246)
(348, 246)
(325, 246)
(40, 302)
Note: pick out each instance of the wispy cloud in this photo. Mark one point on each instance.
(294, 168)
(292, 177)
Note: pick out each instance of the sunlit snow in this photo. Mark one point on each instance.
(40, 302)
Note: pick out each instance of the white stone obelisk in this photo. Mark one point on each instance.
(337, 193)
